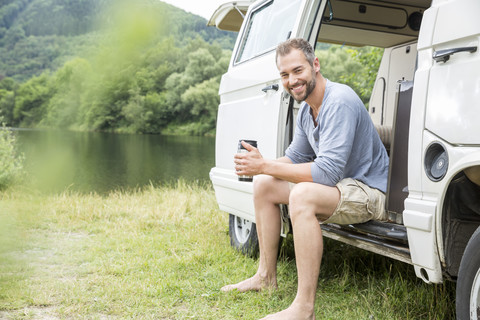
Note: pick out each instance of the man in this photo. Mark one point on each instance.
(334, 171)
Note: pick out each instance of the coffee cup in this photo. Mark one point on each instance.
(241, 149)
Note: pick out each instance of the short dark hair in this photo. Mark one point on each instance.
(301, 44)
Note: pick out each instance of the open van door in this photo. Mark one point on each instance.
(253, 104)
(229, 16)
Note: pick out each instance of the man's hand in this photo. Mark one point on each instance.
(249, 163)
(252, 163)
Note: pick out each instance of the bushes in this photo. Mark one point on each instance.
(11, 165)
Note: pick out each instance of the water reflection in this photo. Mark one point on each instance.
(101, 162)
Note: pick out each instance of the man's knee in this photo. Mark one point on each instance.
(262, 184)
(268, 188)
(300, 200)
(313, 199)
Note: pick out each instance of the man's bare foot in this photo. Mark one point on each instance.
(292, 313)
(255, 283)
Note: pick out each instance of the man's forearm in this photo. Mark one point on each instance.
(284, 169)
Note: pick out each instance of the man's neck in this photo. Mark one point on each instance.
(315, 98)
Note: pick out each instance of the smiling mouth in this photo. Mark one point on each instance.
(297, 89)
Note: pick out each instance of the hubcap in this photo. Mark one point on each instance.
(475, 298)
(243, 228)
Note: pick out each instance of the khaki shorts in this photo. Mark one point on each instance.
(358, 203)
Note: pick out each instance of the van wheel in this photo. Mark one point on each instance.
(243, 235)
(468, 283)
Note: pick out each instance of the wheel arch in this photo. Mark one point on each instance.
(459, 215)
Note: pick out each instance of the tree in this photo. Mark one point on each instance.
(7, 103)
(7, 100)
(31, 100)
(203, 99)
(71, 82)
(356, 67)
(202, 72)
(369, 58)
(11, 164)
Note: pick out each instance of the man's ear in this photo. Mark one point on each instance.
(316, 65)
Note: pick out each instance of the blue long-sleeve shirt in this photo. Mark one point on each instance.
(344, 144)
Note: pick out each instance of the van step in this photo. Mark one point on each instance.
(383, 246)
(387, 230)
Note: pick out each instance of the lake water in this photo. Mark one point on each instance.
(101, 162)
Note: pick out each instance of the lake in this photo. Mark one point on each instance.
(102, 162)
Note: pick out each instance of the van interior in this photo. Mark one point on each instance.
(373, 23)
(393, 25)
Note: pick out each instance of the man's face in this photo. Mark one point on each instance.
(298, 76)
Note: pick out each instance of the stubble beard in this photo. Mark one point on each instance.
(310, 85)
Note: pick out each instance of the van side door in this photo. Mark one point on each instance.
(253, 104)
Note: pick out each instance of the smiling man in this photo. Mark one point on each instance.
(334, 171)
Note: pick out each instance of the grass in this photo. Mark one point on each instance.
(163, 253)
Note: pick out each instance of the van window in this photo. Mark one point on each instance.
(269, 25)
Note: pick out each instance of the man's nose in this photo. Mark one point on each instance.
(292, 79)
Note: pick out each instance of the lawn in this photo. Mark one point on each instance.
(164, 252)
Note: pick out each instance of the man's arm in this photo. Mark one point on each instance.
(252, 163)
(292, 172)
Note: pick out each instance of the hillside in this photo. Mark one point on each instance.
(40, 35)
(139, 66)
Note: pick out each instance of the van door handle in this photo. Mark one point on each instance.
(270, 87)
(444, 55)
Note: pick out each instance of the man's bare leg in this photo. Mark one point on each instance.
(268, 193)
(307, 199)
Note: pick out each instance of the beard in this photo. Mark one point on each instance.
(310, 85)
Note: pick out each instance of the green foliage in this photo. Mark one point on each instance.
(32, 99)
(69, 17)
(70, 83)
(36, 35)
(364, 80)
(125, 74)
(7, 99)
(356, 67)
(40, 35)
(11, 165)
(9, 11)
(129, 76)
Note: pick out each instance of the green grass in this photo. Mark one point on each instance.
(163, 253)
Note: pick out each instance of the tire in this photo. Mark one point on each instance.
(468, 283)
(243, 235)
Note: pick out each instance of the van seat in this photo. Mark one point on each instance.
(385, 133)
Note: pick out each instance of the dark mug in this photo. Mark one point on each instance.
(241, 149)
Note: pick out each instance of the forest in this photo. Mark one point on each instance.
(127, 66)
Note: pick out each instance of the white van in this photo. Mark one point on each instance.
(425, 104)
